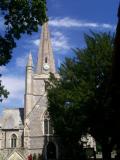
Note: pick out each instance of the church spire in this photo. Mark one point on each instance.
(30, 60)
(45, 61)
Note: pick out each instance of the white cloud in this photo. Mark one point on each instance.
(107, 26)
(3, 69)
(59, 41)
(69, 22)
(21, 61)
(36, 42)
(15, 85)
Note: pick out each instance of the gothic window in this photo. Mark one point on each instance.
(48, 129)
(45, 59)
(13, 141)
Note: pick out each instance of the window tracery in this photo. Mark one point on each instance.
(48, 129)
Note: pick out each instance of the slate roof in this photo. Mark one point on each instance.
(12, 118)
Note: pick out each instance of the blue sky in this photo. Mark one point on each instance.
(68, 21)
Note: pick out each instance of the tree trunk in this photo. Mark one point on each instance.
(106, 152)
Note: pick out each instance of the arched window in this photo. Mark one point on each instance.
(48, 129)
(13, 141)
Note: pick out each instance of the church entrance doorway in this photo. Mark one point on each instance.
(51, 151)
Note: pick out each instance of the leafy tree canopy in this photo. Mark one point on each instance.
(78, 101)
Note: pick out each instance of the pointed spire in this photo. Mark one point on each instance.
(30, 60)
(45, 61)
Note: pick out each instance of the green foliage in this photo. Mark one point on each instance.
(3, 92)
(79, 101)
(98, 147)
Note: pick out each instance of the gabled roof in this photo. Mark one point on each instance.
(15, 155)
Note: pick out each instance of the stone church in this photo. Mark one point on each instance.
(28, 130)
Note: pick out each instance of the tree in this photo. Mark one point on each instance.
(20, 16)
(3, 92)
(78, 101)
(115, 84)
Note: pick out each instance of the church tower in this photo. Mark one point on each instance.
(45, 64)
(35, 131)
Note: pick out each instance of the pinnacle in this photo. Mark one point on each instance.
(30, 60)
